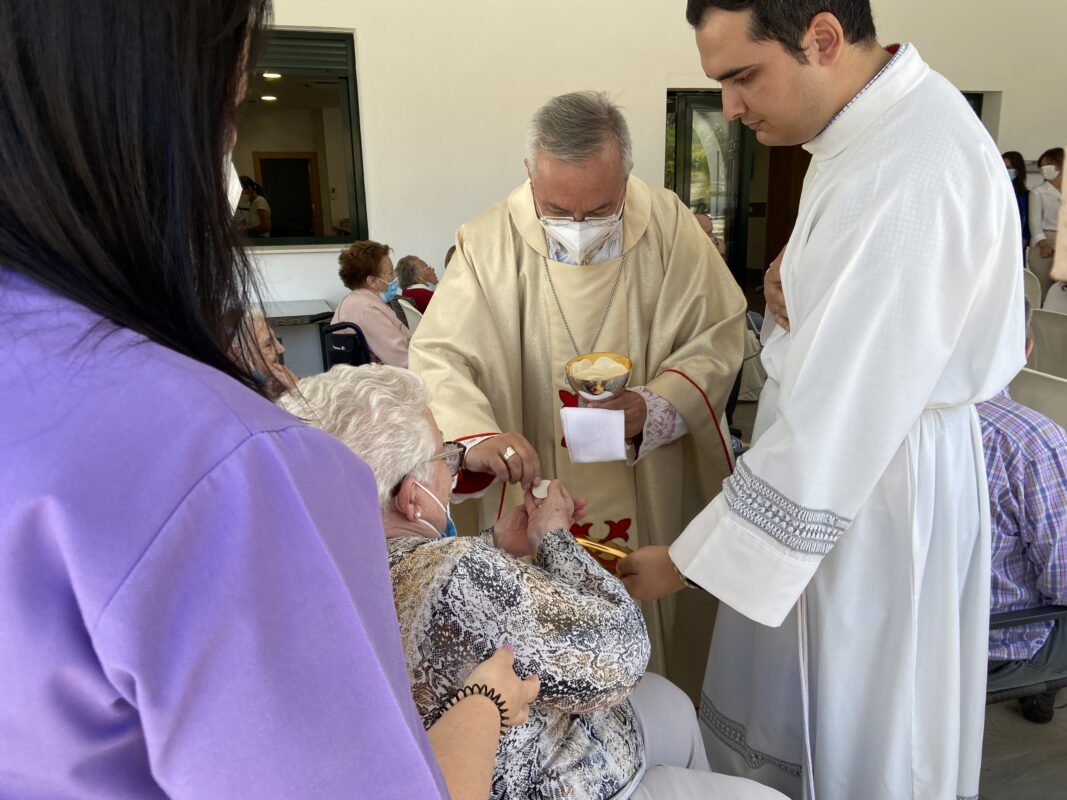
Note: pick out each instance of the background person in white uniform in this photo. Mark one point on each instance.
(1045, 201)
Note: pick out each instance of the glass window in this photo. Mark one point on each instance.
(704, 159)
(298, 143)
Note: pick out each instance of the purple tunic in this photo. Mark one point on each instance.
(194, 595)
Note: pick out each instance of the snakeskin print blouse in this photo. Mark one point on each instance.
(569, 621)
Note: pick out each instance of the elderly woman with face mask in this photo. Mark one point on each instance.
(600, 728)
(367, 272)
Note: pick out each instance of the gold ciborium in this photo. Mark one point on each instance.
(598, 376)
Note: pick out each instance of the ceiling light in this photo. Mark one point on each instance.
(272, 76)
(268, 98)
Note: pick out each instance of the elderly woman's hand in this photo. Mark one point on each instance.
(555, 512)
(510, 533)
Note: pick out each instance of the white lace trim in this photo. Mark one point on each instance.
(663, 423)
(735, 736)
(804, 530)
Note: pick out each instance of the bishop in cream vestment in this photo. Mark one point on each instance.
(492, 349)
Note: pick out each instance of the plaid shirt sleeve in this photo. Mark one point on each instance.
(1045, 531)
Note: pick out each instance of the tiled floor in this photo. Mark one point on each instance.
(1023, 761)
(1020, 760)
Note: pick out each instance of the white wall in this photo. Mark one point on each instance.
(446, 89)
(986, 46)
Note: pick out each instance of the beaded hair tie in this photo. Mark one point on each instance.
(485, 691)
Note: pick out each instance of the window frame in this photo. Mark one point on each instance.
(304, 64)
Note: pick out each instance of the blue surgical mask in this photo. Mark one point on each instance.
(1012, 173)
(450, 526)
(390, 290)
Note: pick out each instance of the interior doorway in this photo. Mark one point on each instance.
(290, 183)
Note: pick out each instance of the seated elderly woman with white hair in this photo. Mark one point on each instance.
(601, 728)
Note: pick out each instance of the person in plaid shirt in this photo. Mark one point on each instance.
(1026, 465)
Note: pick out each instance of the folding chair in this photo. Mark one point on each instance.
(1032, 286)
(1027, 616)
(1041, 392)
(412, 315)
(1050, 343)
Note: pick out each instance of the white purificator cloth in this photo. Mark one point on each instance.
(594, 434)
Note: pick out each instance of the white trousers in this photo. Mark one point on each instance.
(677, 764)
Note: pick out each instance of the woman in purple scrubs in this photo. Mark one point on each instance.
(194, 596)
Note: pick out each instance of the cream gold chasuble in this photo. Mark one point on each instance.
(492, 348)
(609, 488)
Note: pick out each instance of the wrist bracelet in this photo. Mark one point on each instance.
(688, 583)
(484, 690)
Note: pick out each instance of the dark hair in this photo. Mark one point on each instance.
(360, 261)
(114, 174)
(248, 183)
(786, 21)
(1055, 155)
(448, 256)
(1018, 163)
(407, 271)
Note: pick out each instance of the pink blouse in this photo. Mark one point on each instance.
(387, 336)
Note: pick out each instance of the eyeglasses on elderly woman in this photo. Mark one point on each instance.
(451, 453)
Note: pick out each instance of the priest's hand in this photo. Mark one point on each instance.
(509, 457)
(633, 405)
(649, 573)
(773, 293)
(1045, 248)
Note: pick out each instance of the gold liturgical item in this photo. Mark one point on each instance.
(599, 547)
(598, 376)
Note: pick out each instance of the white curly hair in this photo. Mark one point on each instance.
(379, 412)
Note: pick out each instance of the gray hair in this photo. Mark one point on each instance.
(379, 412)
(407, 271)
(575, 127)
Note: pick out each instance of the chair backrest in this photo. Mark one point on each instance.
(412, 315)
(1032, 286)
(344, 343)
(1035, 682)
(1041, 392)
(1050, 343)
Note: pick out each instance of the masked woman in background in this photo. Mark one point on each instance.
(367, 272)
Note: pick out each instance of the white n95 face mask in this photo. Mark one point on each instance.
(1050, 172)
(582, 239)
